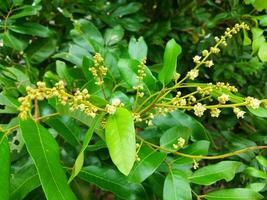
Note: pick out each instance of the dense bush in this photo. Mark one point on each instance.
(133, 99)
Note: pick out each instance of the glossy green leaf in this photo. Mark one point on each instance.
(179, 118)
(26, 10)
(13, 41)
(137, 48)
(260, 112)
(150, 160)
(5, 167)
(31, 29)
(170, 136)
(120, 139)
(176, 186)
(88, 32)
(212, 173)
(257, 187)
(45, 153)
(80, 159)
(262, 160)
(263, 52)
(172, 51)
(127, 73)
(64, 129)
(200, 147)
(251, 171)
(63, 72)
(114, 35)
(111, 180)
(23, 182)
(233, 194)
(127, 9)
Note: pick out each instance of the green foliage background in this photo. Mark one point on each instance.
(54, 40)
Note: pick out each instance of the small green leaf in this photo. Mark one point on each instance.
(63, 72)
(251, 171)
(31, 29)
(172, 51)
(13, 41)
(120, 139)
(45, 153)
(23, 182)
(150, 161)
(4, 167)
(262, 160)
(130, 8)
(176, 187)
(170, 136)
(114, 35)
(260, 112)
(127, 73)
(233, 194)
(80, 159)
(263, 52)
(26, 10)
(137, 48)
(200, 147)
(111, 180)
(213, 173)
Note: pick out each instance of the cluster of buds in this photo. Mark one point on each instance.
(41, 92)
(239, 113)
(223, 98)
(198, 60)
(226, 86)
(215, 112)
(253, 102)
(99, 71)
(141, 75)
(180, 143)
(111, 108)
(199, 109)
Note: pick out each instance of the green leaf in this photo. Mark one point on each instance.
(262, 160)
(5, 167)
(14, 42)
(233, 194)
(31, 29)
(80, 159)
(127, 73)
(63, 72)
(170, 136)
(64, 129)
(111, 180)
(41, 49)
(137, 48)
(150, 160)
(23, 182)
(260, 112)
(263, 52)
(251, 171)
(176, 187)
(26, 10)
(88, 32)
(130, 8)
(114, 35)
(200, 147)
(45, 153)
(172, 51)
(120, 139)
(212, 173)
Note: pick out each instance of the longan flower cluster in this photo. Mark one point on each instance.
(180, 143)
(111, 108)
(98, 70)
(41, 92)
(198, 60)
(141, 75)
